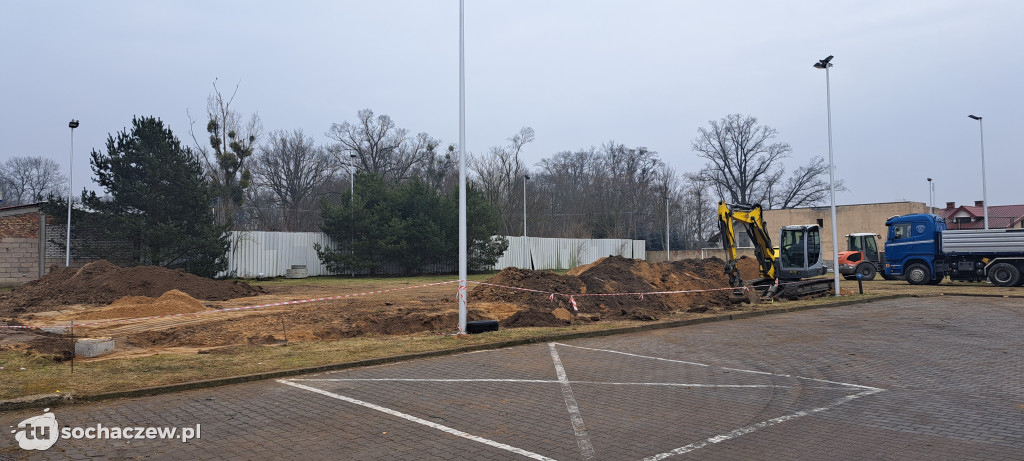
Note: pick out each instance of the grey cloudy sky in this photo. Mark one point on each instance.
(640, 72)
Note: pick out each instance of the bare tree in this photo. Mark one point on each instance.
(807, 186)
(565, 183)
(500, 176)
(380, 146)
(294, 170)
(231, 142)
(30, 179)
(742, 158)
(698, 216)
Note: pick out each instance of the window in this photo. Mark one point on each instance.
(899, 231)
(813, 245)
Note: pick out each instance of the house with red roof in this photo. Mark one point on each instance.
(973, 217)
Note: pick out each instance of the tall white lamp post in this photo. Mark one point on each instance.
(984, 189)
(463, 237)
(825, 64)
(71, 172)
(526, 246)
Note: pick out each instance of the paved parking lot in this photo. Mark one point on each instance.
(916, 378)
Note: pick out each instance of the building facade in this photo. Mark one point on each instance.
(850, 219)
(22, 244)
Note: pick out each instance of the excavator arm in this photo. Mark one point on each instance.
(750, 216)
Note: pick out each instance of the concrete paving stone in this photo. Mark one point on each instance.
(768, 387)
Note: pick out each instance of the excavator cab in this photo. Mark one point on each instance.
(800, 252)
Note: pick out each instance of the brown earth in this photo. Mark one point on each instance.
(614, 275)
(134, 292)
(172, 302)
(101, 282)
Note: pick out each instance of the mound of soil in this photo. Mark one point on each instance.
(613, 275)
(101, 282)
(172, 302)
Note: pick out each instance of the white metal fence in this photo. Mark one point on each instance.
(557, 253)
(270, 254)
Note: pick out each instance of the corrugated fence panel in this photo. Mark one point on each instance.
(552, 253)
(270, 254)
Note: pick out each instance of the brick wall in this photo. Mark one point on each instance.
(19, 245)
(24, 226)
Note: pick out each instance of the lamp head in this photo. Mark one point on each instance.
(824, 63)
(526, 176)
(974, 117)
(73, 124)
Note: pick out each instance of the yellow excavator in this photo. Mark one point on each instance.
(782, 270)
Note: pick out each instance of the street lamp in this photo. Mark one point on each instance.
(825, 64)
(668, 237)
(984, 189)
(526, 246)
(931, 194)
(351, 206)
(463, 233)
(71, 172)
(352, 177)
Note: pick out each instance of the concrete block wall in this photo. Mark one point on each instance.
(20, 245)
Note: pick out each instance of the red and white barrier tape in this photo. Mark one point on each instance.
(551, 295)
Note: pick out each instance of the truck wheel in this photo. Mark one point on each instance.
(918, 274)
(1003, 275)
(866, 271)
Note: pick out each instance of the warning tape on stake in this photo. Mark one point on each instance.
(551, 295)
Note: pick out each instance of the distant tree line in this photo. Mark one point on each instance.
(402, 206)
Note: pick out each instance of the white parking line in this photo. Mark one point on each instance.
(757, 426)
(582, 438)
(552, 381)
(727, 368)
(430, 424)
(576, 417)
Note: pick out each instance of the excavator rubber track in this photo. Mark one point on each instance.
(764, 290)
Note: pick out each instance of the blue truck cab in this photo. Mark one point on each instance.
(912, 246)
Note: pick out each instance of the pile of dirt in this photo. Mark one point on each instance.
(705, 280)
(101, 282)
(172, 302)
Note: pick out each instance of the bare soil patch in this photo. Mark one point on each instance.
(101, 291)
(101, 282)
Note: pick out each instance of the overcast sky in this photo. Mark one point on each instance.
(581, 73)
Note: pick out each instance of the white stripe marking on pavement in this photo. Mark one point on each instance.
(754, 427)
(430, 424)
(582, 438)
